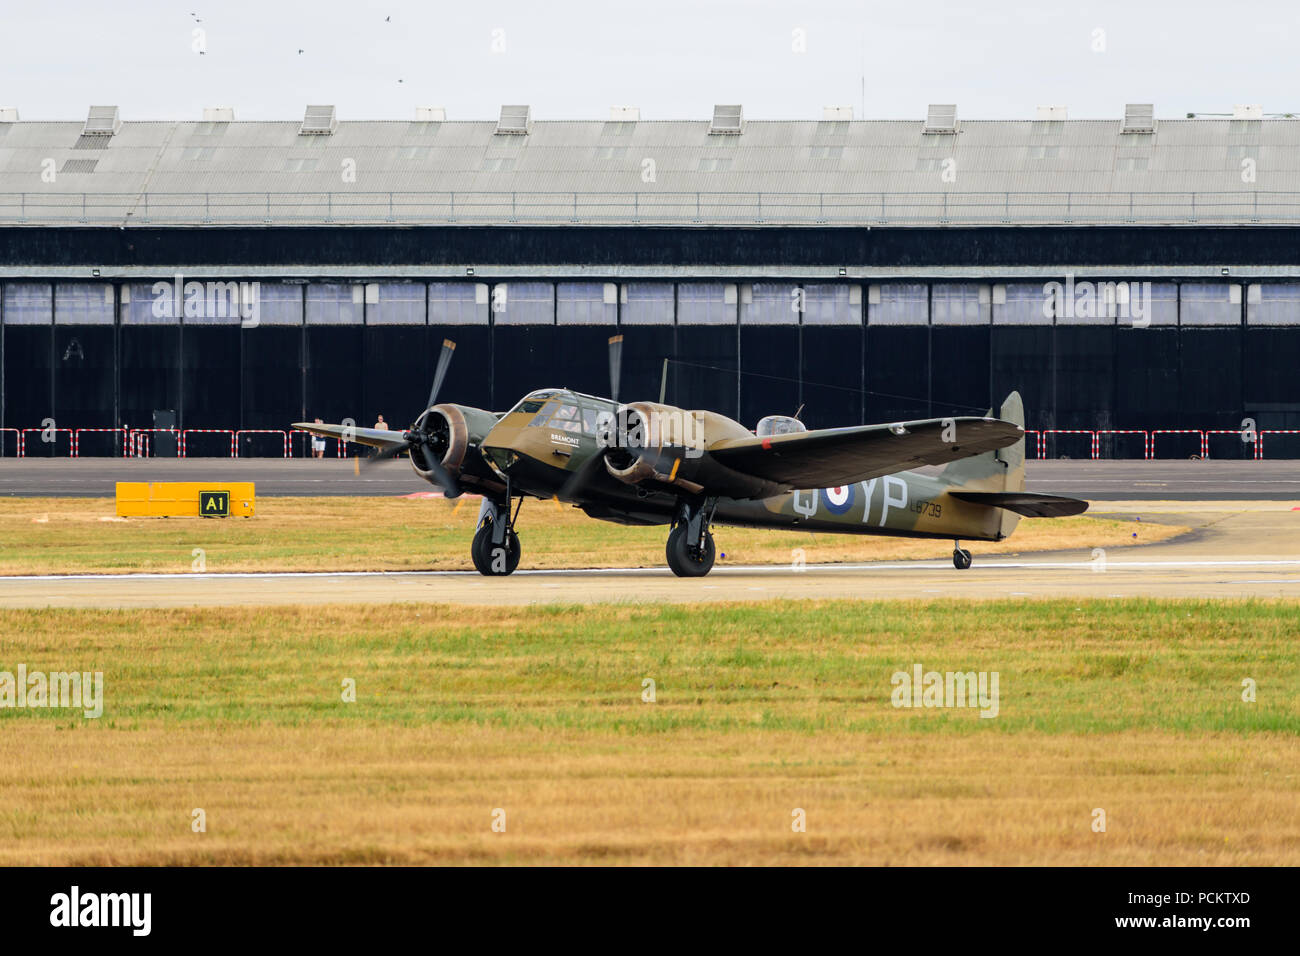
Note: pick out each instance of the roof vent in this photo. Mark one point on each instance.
(1051, 113)
(101, 121)
(728, 120)
(625, 114)
(835, 114)
(318, 121)
(941, 118)
(218, 114)
(1248, 111)
(8, 114)
(515, 120)
(431, 114)
(1139, 118)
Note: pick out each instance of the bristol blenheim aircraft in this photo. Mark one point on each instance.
(647, 463)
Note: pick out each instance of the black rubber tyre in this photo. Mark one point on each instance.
(682, 561)
(480, 552)
(961, 559)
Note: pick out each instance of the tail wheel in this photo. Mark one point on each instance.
(688, 562)
(493, 559)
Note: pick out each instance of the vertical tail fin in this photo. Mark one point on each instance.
(1001, 470)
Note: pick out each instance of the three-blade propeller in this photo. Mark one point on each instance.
(419, 435)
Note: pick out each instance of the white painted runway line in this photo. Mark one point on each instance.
(938, 565)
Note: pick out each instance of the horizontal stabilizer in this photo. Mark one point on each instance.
(1025, 503)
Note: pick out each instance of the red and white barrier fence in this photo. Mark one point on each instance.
(22, 439)
(138, 442)
(264, 431)
(76, 439)
(1094, 446)
(141, 441)
(207, 431)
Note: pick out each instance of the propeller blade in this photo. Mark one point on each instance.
(577, 482)
(444, 360)
(391, 451)
(450, 487)
(615, 364)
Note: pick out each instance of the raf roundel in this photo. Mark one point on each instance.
(838, 500)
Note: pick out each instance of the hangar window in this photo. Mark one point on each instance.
(1210, 303)
(960, 303)
(586, 303)
(198, 154)
(1132, 164)
(300, 165)
(144, 303)
(1027, 303)
(279, 303)
(334, 304)
(1273, 303)
(524, 303)
(458, 303)
(498, 164)
(611, 152)
(898, 303)
(28, 303)
(715, 164)
(832, 304)
(771, 303)
(706, 303)
(395, 303)
(1044, 152)
(646, 303)
(83, 303)
(78, 166)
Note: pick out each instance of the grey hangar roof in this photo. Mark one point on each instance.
(731, 171)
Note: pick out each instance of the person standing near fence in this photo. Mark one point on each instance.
(318, 443)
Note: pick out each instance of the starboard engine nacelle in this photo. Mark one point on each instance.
(455, 434)
(648, 444)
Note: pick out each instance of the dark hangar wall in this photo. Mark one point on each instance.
(90, 352)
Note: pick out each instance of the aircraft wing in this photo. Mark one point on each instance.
(376, 437)
(830, 457)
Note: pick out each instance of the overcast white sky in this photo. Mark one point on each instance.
(672, 58)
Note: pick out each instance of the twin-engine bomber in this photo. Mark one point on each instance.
(646, 463)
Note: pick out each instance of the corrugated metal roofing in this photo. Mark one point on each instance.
(1012, 171)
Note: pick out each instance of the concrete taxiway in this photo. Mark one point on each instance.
(1094, 480)
(1236, 549)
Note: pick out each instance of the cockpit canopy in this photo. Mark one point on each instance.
(779, 425)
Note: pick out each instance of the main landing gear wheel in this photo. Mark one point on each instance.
(960, 559)
(687, 561)
(493, 559)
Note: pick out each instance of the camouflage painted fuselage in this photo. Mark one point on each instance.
(543, 461)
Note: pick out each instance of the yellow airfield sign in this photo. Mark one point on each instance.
(184, 499)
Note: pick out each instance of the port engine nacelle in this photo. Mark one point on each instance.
(455, 433)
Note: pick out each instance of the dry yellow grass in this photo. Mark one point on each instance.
(275, 795)
(66, 535)
(1130, 706)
